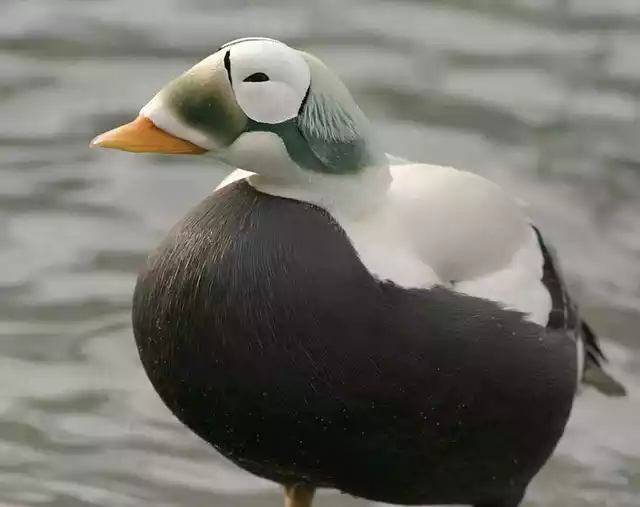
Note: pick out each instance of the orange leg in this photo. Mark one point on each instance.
(299, 495)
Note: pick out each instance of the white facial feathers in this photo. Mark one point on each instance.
(269, 79)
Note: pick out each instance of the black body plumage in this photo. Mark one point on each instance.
(263, 332)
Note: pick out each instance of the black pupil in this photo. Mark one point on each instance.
(257, 77)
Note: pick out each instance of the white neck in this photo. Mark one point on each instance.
(342, 195)
(264, 154)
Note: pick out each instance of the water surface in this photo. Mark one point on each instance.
(539, 95)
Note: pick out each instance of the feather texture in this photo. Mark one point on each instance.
(443, 226)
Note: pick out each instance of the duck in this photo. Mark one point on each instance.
(335, 317)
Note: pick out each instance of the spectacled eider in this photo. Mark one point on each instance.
(333, 318)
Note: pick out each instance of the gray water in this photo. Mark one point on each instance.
(542, 96)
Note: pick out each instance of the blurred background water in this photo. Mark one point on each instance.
(542, 96)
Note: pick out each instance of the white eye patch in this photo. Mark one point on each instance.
(269, 79)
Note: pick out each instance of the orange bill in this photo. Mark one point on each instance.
(141, 136)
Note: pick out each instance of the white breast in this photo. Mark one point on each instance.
(238, 174)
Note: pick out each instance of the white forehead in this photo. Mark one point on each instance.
(279, 61)
(244, 39)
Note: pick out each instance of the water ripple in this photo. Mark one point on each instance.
(540, 95)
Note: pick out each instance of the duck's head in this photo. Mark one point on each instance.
(259, 105)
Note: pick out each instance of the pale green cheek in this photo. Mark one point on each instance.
(206, 103)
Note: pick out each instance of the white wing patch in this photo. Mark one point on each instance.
(518, 286)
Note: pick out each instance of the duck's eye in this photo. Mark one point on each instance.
(256, 78)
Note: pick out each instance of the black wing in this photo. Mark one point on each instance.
(565, 314)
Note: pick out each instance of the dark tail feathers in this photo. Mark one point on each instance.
(566, 315)
(594, 374)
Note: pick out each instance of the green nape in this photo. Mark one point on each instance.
(319, 154)
(330, 134)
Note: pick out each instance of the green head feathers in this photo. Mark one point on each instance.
(256, 100)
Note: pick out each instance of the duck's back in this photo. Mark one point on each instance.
(263, 332)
